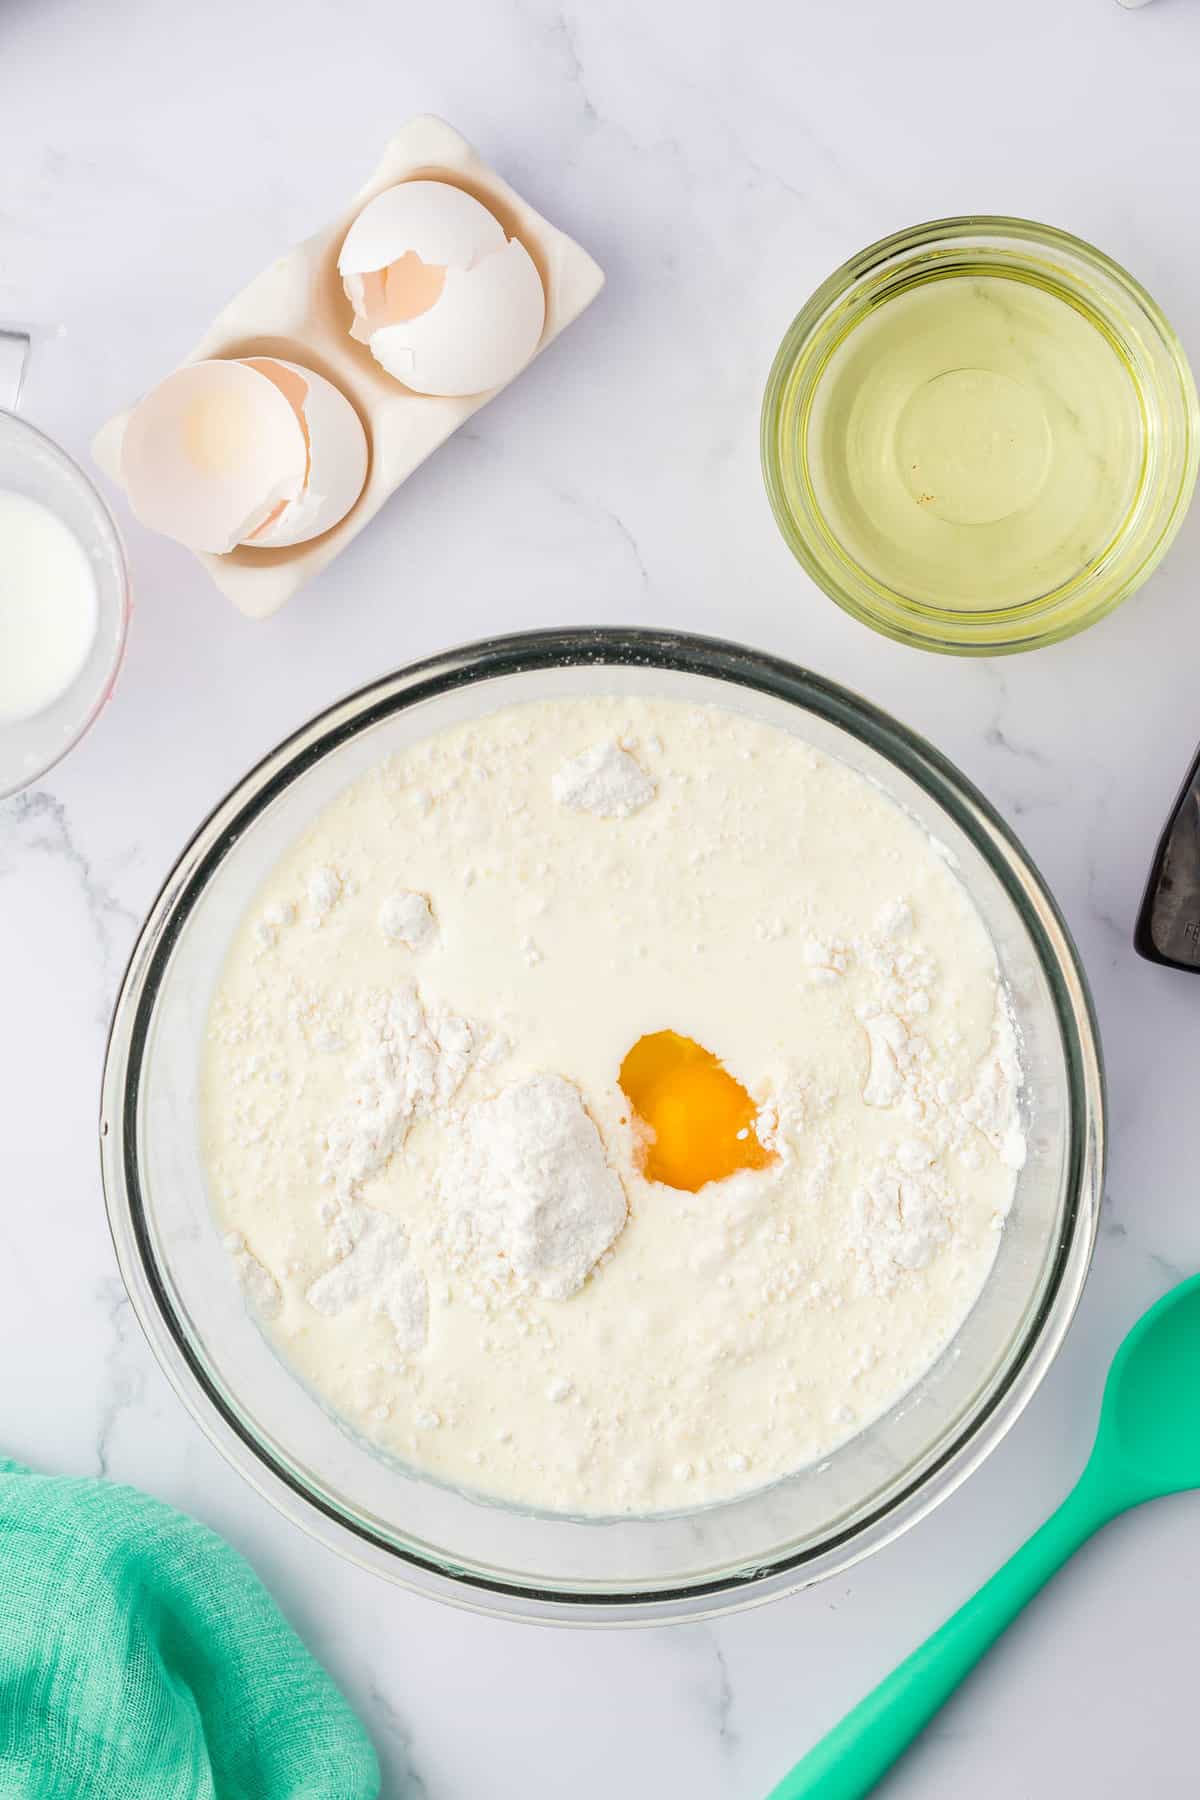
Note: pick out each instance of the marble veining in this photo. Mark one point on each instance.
(35, 824)
(124, 1368)
(719, 161)
(396, 1751)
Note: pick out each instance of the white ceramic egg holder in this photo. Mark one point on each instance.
(297, 310)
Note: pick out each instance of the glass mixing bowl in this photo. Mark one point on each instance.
(1159, 460)
(492, 1557)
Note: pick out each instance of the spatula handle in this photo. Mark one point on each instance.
(856, 1754)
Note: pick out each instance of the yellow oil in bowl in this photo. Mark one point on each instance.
(980, 435)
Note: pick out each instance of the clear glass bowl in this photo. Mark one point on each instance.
(494, 1558)
(31, 464)
(1068, 269)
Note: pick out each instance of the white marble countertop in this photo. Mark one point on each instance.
(718, 160)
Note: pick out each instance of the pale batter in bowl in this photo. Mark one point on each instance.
(440, 1198)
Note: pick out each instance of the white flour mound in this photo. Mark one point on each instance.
(375, 1269)
(531, 1176)
(606, 781)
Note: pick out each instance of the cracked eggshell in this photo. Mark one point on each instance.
(440, 224)
(482, 331)
(337, 457)
(447, 303)
(253, 451)
(210, 453)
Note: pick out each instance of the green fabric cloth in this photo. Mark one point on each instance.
(141, 1659)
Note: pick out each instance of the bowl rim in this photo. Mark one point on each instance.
(1044, 620)
(518, 653)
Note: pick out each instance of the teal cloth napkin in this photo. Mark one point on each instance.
(141, 1659)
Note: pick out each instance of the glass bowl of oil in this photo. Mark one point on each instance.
(980, 435)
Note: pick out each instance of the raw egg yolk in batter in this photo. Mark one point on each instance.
(700, 1123)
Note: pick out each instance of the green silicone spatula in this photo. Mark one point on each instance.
(1148, 1444)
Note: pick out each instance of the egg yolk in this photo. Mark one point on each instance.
(700, 1124)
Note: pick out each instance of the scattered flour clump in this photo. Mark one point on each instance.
(407, 918)
(375, 1269)
(604, 780)
(899, 1222)
(992, 1105)
(413, 1062)
(257, 1284)
(324, 892)
(887, 1040)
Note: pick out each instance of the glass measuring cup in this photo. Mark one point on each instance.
(32, 465)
